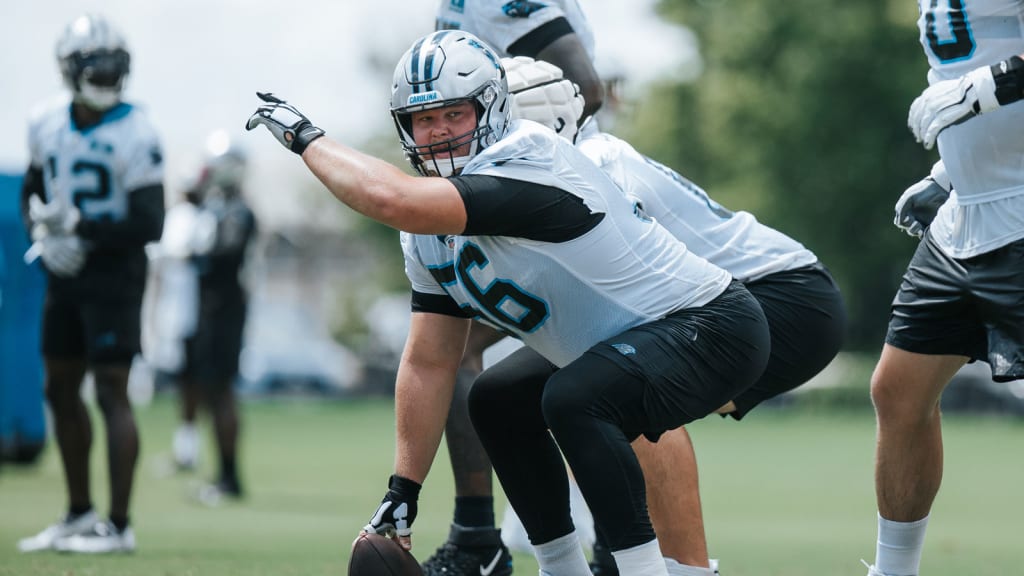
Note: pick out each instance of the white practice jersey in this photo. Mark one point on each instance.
(95, 168)
(735, 241)
(561, 298)
(985, 155)
(500, 23)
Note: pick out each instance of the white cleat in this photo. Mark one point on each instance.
(46, 539)
(103, 538)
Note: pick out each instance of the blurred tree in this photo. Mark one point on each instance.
(800, 117)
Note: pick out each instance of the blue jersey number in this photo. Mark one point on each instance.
(961, 45)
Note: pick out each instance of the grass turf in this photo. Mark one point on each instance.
(786, 491)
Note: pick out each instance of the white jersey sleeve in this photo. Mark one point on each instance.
(500, 23)
(419, 277)
(735, 241)
(627, 266)
(983, 155)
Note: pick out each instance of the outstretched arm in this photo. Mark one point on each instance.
(368, 185)
(379, 190)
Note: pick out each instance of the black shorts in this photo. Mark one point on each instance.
(807, 320)
(212, 353)
(688, 364)
(103, 330)
(972, 307)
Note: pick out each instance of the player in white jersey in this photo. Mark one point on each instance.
(513, 226)
(960, 299)
(92, 199)
(555, 31)
(803, 306)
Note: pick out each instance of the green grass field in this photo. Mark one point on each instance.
(786, 492)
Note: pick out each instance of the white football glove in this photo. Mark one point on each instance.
(63, 255)
(542, 94)
(54, 216)
(918, 204)
(951, 102)
(291, 128)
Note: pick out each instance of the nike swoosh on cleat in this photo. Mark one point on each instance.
(486, 570)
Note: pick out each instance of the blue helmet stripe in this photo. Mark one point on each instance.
(428, 65)
(414, 74)
(421, 63)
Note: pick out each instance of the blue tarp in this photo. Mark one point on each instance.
(22, 415)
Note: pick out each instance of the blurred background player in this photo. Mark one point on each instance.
(557, 32)
(801, 301)
(223, 227)
(93, 197)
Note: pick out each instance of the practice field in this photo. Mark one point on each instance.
(786, 492)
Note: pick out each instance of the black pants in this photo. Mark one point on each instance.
(647, 380)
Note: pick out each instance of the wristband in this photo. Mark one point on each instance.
(1009, 80)
(405, 488)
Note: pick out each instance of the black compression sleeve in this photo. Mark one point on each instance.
(505, 207)
(32, 184)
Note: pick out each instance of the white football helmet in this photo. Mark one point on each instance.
(542, 94)
(441, 69)
(94, 61)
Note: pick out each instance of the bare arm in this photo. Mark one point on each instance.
(423, 391)
(569, 54)
(368, 185)
(379, 190)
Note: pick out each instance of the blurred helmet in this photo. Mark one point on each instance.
(94, 61)
(442, 69)
(542, 94)
(224, 163)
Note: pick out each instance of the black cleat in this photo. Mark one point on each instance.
(470, 552)
(602, 562)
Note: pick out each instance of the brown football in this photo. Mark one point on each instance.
(377, 555)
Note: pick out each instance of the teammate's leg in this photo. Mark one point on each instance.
(122, 437)
(905, 389)
(72, 427)
(223, 406)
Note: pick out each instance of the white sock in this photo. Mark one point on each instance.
(642, 560)
(899, 546)
(186, 444)
(562, 557)
(677, 569)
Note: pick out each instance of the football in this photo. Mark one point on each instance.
(377, 555)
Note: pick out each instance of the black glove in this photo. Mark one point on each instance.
(291, 128)
(397, 510)
(916, 208)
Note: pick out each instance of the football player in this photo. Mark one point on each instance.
(555, 31)
(92, 198)
(802, 303)
(960, 299)
(224, 229)
(511, 225)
